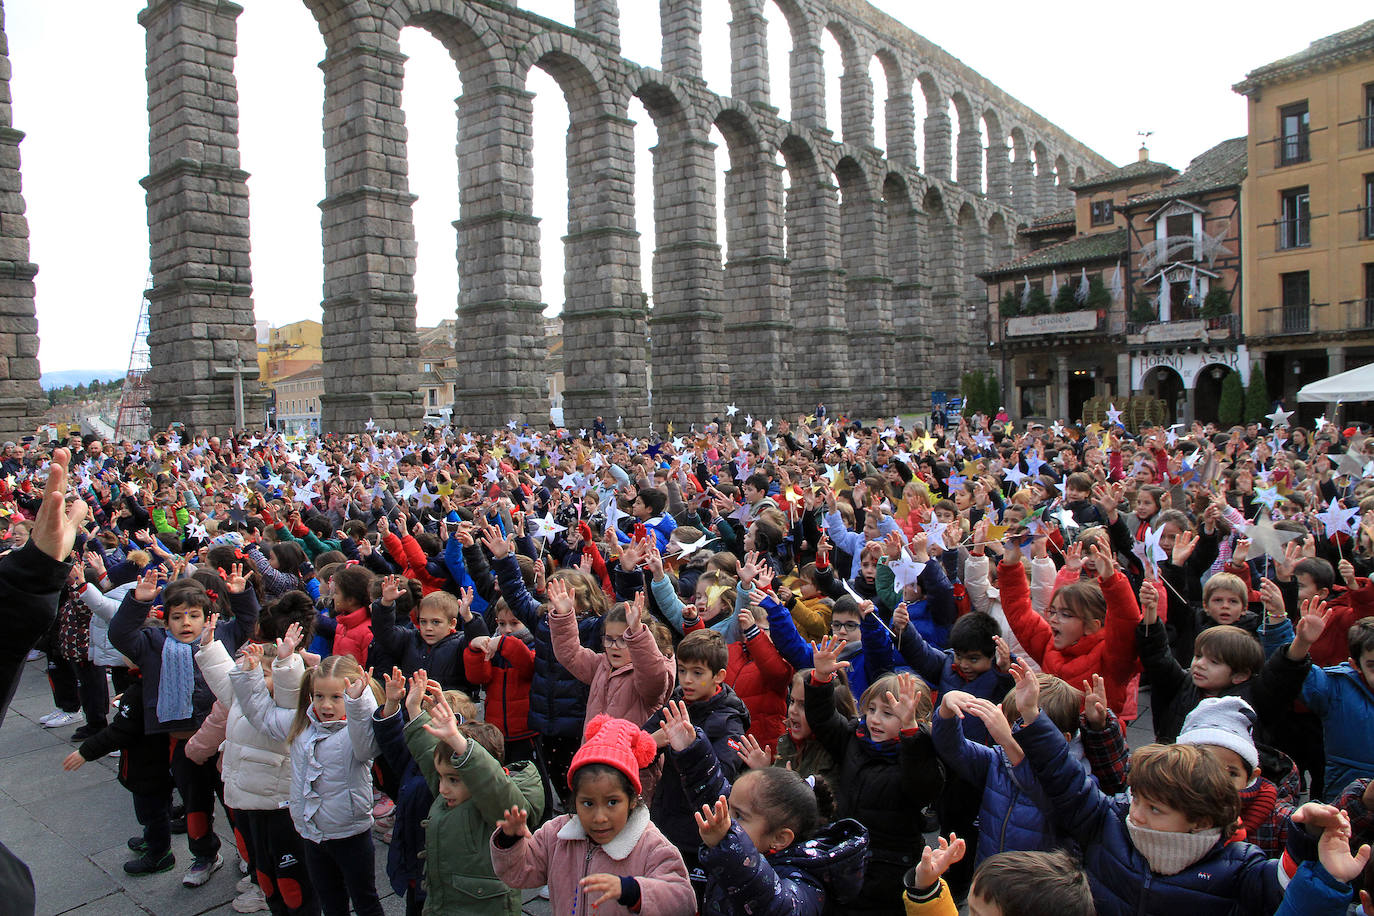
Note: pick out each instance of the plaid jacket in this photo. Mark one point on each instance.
(1106, 753)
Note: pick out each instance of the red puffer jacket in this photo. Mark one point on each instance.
(353, 635)
(761, 678)
(507, 678)
(1110, 651)
(407, 554)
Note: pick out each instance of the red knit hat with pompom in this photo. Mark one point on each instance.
(617, 743)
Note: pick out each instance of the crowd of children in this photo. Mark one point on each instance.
(733, 672)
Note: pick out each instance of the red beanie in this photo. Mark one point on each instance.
(617, 743)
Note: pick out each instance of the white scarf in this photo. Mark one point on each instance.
(1168, 852)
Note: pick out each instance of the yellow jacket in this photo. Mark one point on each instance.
(943, 905)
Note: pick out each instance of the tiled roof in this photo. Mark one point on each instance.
(1080, 249)
(1053, 219)
(1133, 172)
(316, 370)
(1357, 41)
(1222, 166)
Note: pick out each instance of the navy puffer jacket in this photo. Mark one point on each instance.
(1014, 813)
(558, 701)
(1233, 878)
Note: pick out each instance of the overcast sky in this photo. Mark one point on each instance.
(1102, 72)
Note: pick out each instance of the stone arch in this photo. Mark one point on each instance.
(998, 169)
(969, 142)
(1044, 176)
(904, 263)
(1022, 172)
(816, 279)
(899, 116)
(937, 130)
(942, 278)
(1063, 196)
(972, 315)
(1079, 175)
(604, 311)
(755, 280)
(685, 324)
(868, 314)
(855, 102)
(576, 70)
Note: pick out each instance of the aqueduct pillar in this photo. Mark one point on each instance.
(21, 400)
(200, 316)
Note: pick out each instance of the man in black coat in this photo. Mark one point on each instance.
(30, 579)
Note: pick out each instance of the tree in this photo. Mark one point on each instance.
(1256, 396)
(1009, 305)
(1038, 304)
(980, 393)
(1231, 406)
(1066, 301)
(1217, 303)
(1098, 295)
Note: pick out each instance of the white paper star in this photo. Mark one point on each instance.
(1065, 518)
(491, 475)
(1057, 428)
(427, 498)
(731, 410)
(686, 550)
(1113, 415)
(1279, 418)
(408, 491)
(905, 571)
(1337, 519)
(749, 419)
(197, 530)
(197, 474)
(1014, 475)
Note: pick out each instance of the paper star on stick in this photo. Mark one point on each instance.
(197, 530)
(546, 528)
(1065, 518)
(1113, 415)
(905, 571)
(686, 550)
(1279, 418)
(408, 490)
(1338, 519)
(731, 410)
(1270, 539)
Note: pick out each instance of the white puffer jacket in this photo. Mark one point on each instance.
(102, 608)
(256, 768)
(331, 762)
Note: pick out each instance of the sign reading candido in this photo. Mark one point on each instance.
(1063, 323)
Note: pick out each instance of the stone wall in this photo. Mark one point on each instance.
(21, 399)
(850, 287)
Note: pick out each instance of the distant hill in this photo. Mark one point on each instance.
(51, 380)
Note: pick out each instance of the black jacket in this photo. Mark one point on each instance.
(723, 718)
(442, 662)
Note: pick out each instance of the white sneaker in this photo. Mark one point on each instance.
(250, 901)
(201, 870)
(63, 718)
(245, 883)
(43, 720)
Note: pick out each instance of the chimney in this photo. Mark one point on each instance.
(1144, 153)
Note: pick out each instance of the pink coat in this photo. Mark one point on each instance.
(634, 691)
(560, 855)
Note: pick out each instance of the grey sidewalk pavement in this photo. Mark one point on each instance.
(71, 828)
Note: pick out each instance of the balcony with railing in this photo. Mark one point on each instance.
(1359, 314)
(1292, 149)
(1189, 326)
(1288, 320)
(1293, 232)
